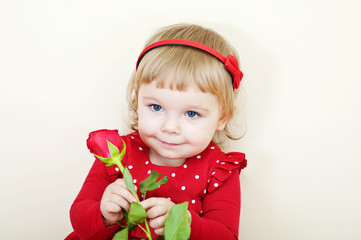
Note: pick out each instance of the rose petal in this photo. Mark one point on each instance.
(97, 141)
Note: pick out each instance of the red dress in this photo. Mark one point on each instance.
(208, 181)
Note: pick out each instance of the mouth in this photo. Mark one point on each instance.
(168, 144)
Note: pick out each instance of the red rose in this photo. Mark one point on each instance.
(97, 142)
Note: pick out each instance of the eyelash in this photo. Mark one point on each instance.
(157, 108)
(194, 114)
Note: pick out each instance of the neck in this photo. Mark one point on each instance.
(158, 160)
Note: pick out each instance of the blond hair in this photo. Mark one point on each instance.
(189, 68)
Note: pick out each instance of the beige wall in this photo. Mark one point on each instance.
(64, 67)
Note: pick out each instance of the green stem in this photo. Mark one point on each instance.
(137, 198)
(149, 235)
(142, 228)
(147, 232)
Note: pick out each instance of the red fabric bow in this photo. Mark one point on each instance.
(231, 65)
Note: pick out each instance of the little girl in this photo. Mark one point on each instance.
(181, 95)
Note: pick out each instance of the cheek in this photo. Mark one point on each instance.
(145, 124)
(201, 133)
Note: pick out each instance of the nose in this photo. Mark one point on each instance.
(171, 125)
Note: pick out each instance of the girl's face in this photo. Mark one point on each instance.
(176, 125)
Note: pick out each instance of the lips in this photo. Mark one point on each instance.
(169, 144)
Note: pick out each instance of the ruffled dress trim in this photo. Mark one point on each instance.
(231, 162)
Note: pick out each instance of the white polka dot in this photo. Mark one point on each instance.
(117, 169)
(217, 161)
(212, 147)
(200, 212)
(213, 173)
(130, 167)
(223, 163)
(209, 180)
(230, 171)
(216, 184)
(131, 137)
(169, 199)
(134, 180)
(149, 171)
(236, 162)
(183, 187)
(185, 166)
(193, 201)
(196, 176)
(199, 156)
(140, 148)
(147, 162)
(205, 191)
(173, 174)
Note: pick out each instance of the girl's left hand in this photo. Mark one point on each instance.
(157, 211)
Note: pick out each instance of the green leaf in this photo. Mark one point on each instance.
(104, 160)
(150, 183)
(116, 157)
(113, 150)
(143, 185)
(155, 185)
(123, 151)
(177, 224)
(121, 235)
(136, 214)
(128, 179)
(130, 225)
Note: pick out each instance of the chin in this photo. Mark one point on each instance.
(172, 155)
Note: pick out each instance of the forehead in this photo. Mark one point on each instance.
(189, 96)
(171, 80)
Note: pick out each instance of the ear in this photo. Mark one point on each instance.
(223, 120)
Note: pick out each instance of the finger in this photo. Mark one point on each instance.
(158, 222)
(120, 201)
(111, 213)
(112, 207)
(123, 191)
(157, 206)
(159, 231)
(112, 217)
(157, 211)
(150, 202)
(120, 181)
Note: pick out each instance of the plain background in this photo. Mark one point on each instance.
(64, 66)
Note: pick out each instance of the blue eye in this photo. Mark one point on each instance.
(192, 114)
(156, 107)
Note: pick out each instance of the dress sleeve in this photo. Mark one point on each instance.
(221, 205)
(85, 214)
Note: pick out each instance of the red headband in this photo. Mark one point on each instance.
(230, 62)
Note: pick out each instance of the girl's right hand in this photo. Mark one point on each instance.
(116, 197)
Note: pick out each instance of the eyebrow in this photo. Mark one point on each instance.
(198, 108)
(150, 98)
